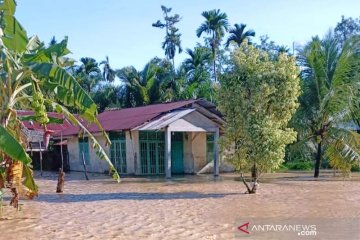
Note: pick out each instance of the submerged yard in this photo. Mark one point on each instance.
(190, 207)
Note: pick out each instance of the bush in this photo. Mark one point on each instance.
(281, 168)
(299, 165)
(355, 168)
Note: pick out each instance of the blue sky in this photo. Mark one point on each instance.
(122, 29)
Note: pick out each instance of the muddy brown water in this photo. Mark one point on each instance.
(185, 207)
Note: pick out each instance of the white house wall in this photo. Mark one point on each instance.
(199, 150)
(95, 164)
(132, 155)
(193, 122)
(194, 125)
(188, 155)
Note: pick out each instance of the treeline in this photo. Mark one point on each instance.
(329, 70)
(160, 80)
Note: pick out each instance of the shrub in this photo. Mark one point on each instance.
(299, 165)
(355, 168)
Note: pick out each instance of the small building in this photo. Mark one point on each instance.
(45, 158)
(160, 139)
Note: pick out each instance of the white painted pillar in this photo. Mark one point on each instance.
(216, 153)
(167, 153)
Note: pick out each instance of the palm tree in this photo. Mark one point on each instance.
(109, 74)
(28, 69)
(198, 80)
(172, 41)
(238, 35)
(216, 23)
(88, 73)
(330, 90)
(140, 87)
(172, 37)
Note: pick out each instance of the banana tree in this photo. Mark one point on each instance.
(34, 77)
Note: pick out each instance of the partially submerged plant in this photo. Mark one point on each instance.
(28, 70)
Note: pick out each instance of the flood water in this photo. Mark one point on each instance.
(186, 207)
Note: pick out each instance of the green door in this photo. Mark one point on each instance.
(152, 151)
(177, 151)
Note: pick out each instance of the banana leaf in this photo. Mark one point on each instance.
(12, 148)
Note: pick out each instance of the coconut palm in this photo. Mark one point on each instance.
(216, 24)
(140, 87)
(198, 80)
(238, 35)
(27, 69)
(330, 84)
(88, 73)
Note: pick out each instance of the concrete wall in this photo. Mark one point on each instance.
(193, 124)
(188, 155)
(194, 153)
(132, 151)
(199, 150)
(95, 164)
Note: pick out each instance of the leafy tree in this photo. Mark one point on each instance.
(273, 49)
(238, 35)
(107, 96)
(258, 97)
(27, 69)
(216, 24)
(172, 37)
(330, 79)
(347, 28)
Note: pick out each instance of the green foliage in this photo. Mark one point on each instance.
(238, 35)
(258, 97)
(330, 100)
(347, 28)
(10, 146)
(355, 168)
(216, 24)
(172, 37)
(28, 70)
(297, 165)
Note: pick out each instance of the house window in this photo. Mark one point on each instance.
(118, 150)
(152, 151)
(84, 150)
(210, 147)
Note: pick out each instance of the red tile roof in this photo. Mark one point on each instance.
(128, 118)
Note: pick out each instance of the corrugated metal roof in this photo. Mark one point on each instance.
(52, 126)
(129, 118)
(164, 120)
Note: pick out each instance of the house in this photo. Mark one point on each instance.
(36, 144)
(167, 138)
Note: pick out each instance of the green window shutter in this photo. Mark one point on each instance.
(152, 151)
(84, 148)
(210, 147)
(118, 151)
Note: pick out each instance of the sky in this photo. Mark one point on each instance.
(122, 29)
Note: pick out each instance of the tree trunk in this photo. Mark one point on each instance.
(251, 190)
(214, 68)
(61, 181)
(84, 164)
(254, 174)
(318, 161)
